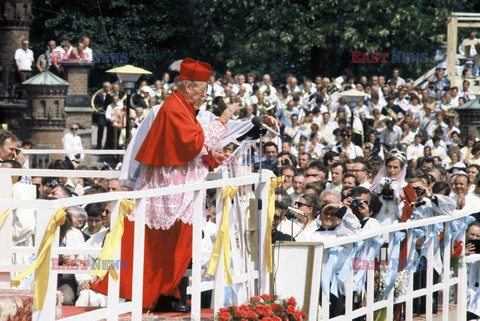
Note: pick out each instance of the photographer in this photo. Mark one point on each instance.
(357, 212)
(473, 236)
(389, 185)
(428, 204)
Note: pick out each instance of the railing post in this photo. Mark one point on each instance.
(429, 296)
(138, 259)
(197, 254)
(446, 278)
(262, 202)
(49, 306)
(114, 286)
(219, 277)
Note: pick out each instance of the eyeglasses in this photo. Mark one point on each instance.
(346, 135)
(300, 204)
(74, 128)
(309, 175)
(355, 170)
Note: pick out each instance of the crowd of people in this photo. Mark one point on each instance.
(395, 155)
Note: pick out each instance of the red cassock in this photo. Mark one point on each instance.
(175, 138)
(407, 212)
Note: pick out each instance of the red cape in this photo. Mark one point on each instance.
(175, 138)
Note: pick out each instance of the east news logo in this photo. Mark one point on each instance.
(396, 57)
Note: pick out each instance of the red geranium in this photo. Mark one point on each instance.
(264, 308)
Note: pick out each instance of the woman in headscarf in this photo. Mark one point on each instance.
(391, 188)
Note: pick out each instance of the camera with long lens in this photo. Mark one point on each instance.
(420, 194)
(387, 191)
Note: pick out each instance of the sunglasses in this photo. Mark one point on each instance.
(346, 135)
(300, 204)
(309, 175)
(74, 128)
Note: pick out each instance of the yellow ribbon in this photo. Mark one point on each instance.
(112, 240)
(4, 216)
(274, 183)
(42, 262)
(223, 237)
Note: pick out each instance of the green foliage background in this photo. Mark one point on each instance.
(278, 37)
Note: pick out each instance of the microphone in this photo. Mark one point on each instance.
(296, 211)
(257, 122)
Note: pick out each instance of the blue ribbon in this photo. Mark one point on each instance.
(460, 229)
(347, 266)
(391, 272)
(416, 233)
(373, 249)
(328, 274)
(428, 239)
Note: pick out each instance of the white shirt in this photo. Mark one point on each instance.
(414, 151)
(353, 150)
(24, 59)
(87, 54)
(72, 142)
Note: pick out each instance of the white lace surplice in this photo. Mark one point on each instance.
(162, 212)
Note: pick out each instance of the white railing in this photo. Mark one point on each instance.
(248, 268)
(445, 283)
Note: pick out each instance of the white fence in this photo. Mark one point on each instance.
(247, 240)
(248, 263)
(342, 271)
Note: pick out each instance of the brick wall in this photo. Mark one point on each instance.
(77, 77)
(10, 41)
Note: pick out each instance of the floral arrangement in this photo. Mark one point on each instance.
(266, 308)
(400, 286)
(456, 255)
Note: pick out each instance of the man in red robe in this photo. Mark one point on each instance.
(171, 155)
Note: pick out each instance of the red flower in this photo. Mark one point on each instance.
(267, 319)
(457, 250)
(252, 315)
(222, 310)
(275, 318)
(291, 309)
(244, 307)
(292, 301)
(266, 296)
(225, 316)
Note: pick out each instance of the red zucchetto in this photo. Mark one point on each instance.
(194, 70)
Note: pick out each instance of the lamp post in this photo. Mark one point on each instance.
(128, 76)
(352, 97)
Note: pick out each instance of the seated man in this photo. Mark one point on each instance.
(95, 219)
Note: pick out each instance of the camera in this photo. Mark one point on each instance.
(387, 192)
(419, 192)
(356, 203)
(285, 162)
(18, 151)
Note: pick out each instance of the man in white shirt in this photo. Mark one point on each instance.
(466, 92)
(71, 141)
(360, 171)
(415, 150)
(24, 61)
(336, 171)
(87, 51)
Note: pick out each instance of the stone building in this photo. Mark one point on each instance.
(45, 116)
(15, 19)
